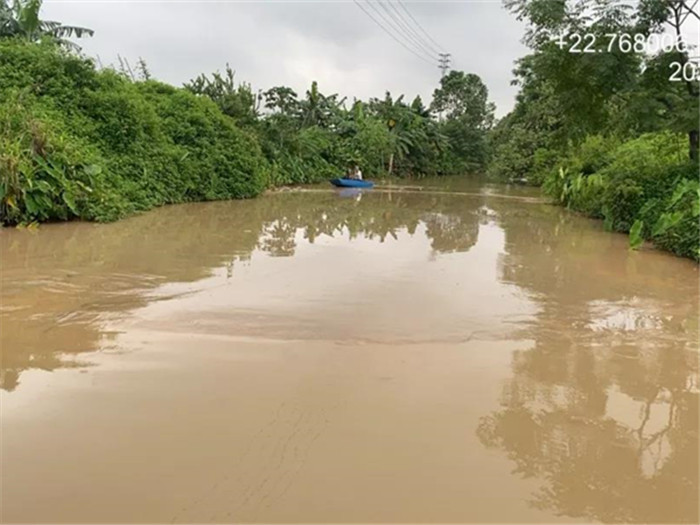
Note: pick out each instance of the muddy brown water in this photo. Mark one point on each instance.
(446, 352)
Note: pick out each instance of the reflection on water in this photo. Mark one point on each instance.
(599, 406)
(61, 283)
(603, 407)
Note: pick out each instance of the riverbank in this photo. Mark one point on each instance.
(646, 187)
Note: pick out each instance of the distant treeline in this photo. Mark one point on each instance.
(611, 132)
(77, 141)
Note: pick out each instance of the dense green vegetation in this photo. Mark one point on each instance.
(78, 142)
(317, 136)
(607, 133)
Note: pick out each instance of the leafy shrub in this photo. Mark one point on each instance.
(45, 172)
(594, 154)
(81, 143)
(645, 186)
(644, 168)
(544, 161)
(673, 223)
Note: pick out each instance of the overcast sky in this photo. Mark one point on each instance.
(270, 43)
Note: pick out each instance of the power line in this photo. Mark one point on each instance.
(419, 26)
(402, 30)
(397, 30)
(391, 34)
(405, 31)
(407, 24)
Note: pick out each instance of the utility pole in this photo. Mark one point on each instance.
(444, 62)
(444, 66)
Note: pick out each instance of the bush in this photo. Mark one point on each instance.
(646, 186)
(643, 169)
(594, 154)
(672, 222)
(81, 143)
(46, 172)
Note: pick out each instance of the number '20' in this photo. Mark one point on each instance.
(687, 72)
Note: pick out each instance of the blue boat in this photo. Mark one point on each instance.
(352, 183)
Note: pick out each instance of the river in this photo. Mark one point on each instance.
(440, 352)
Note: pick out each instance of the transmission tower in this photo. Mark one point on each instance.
(444, 62)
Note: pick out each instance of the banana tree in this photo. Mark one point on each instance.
(20, 18)
(411, 128)
(390, 111)
(318, 109)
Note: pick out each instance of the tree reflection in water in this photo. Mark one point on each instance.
(61, 283)
(450, 225)
(603, 407)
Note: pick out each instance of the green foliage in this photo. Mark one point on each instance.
(671, 222)
(77, 143)
(642, 169)
(145, 143)
(584, 86)
(677, 227)
(319, 137)
(464, 97)
(636, 236)
(237, 101)
(408, 136)
(20, 18)
(370, 146)
(43, 174)
(655, 103)
(606, 133)
(463, 101)
(299, 137)
(536, 124)
(594, 153)
(645, 186)
(512, 147)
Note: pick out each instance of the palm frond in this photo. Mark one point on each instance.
(61, 31)
(21, 18)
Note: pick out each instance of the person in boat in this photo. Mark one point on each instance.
(358, 173)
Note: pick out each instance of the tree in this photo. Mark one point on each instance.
(281, 99)
(21, 19)
(464, 96)
(657, 104)
(654, 16)
(584, 85)
(463, 101)
(390, 112)
(526, 141)
(415, 137)
(318, 109)
(593, 89)
(238, 102)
